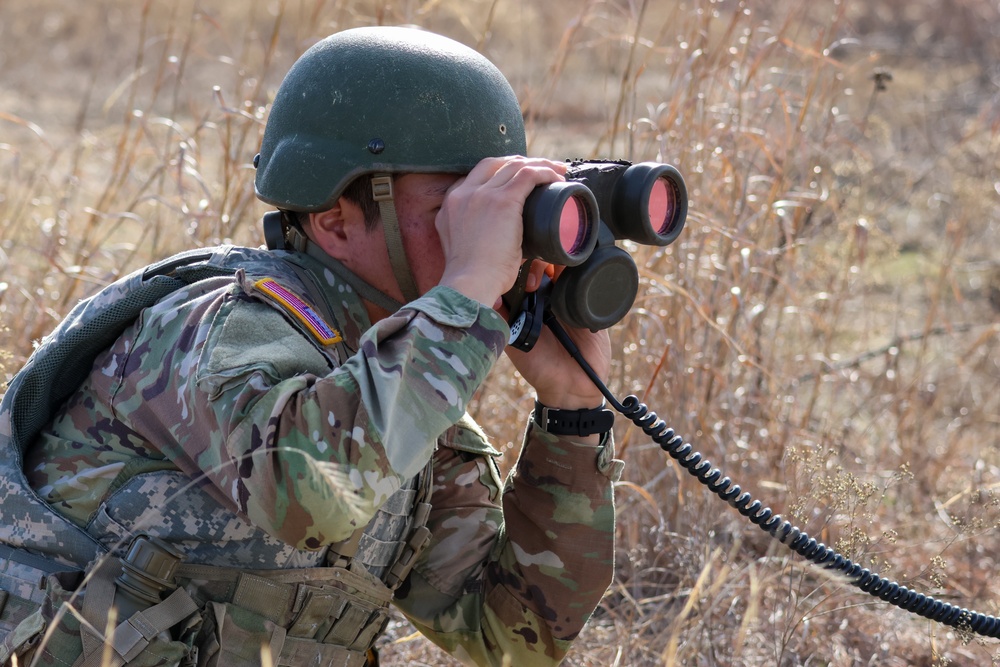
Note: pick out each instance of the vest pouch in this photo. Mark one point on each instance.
(238, 637)
(233, 636)
(28, 623)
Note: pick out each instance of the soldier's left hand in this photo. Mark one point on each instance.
(557, 379)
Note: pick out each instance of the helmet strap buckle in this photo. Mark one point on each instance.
(382, 188)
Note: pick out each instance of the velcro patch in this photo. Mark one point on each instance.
(300, 309)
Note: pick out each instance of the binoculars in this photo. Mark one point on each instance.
(575, 223)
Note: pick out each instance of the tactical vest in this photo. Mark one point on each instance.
(327, 610)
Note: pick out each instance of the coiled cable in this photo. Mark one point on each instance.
(762, 517)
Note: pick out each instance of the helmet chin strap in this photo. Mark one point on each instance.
(281, 236)
(276, 233)
(382, 192)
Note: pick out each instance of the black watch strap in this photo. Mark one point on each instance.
(573, 422)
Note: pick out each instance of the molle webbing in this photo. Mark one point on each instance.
(387, 548)
(23, 574)
(328, 606)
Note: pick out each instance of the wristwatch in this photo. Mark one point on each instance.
(573, 422)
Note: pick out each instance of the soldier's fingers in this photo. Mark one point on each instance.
(535, 271)
(498, 171)
(535, 168)
(484, 170)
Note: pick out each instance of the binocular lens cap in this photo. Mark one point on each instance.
(598, 294)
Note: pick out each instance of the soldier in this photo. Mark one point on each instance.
(242, 456)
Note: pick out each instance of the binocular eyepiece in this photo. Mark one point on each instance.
(575, 223)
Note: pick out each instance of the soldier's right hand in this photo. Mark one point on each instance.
(480, 224)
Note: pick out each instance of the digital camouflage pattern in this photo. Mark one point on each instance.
(218, 422)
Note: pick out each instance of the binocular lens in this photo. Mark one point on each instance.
(560, 223)
(573, 226)
(662, 206)
(650, 204)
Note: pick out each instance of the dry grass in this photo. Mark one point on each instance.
(826, 329)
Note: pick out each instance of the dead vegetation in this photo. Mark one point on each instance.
(825, 330)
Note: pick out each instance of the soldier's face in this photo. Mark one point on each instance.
(418, 200)
(342, 234)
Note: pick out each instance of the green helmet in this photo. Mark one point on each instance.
(382, 100)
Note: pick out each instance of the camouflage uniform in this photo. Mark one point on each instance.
(258, 422)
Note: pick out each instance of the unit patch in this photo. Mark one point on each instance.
(300, 309)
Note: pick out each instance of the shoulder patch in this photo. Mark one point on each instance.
(300, 309)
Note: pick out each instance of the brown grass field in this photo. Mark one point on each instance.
(826, 329)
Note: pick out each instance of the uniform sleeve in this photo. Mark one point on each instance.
(309, 454)
(515, 570)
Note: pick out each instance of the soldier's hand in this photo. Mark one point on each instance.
(557, 379)
(480, 224)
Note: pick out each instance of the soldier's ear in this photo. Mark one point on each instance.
(334, 230)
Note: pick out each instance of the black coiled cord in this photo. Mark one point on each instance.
(762, 517)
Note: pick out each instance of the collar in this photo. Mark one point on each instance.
(340, 298)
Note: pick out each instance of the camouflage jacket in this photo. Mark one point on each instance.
(303, 428)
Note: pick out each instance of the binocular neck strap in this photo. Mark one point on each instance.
(382, 192)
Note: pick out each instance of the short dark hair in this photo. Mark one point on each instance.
(358, 191)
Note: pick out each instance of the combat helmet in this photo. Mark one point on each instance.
(378, 101)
